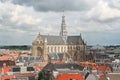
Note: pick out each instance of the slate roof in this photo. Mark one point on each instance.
(71, 66)
(53, 40)
(49, 66)
(53, 56)
(74, 40)
(57, 40)
(58, 56)
(102, 56)
(28, 59)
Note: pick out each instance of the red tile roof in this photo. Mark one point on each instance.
(69, 77)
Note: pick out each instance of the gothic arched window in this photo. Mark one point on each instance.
(55, 49)
(58, 49)
(51, 49)
(61, 49)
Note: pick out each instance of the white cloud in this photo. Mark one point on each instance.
(18, 14)
(19, 21)
(102, 11)
(91, 26)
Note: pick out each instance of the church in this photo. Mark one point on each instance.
(49, 46)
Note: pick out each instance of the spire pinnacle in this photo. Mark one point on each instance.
(63, 32)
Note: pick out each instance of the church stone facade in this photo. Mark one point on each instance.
(62, 43)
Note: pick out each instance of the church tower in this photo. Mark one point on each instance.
(63, 32)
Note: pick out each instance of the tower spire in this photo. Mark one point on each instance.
(63, 32)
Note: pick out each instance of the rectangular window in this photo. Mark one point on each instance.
(30, 69)
(16, 69)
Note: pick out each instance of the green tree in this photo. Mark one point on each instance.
(41, 76)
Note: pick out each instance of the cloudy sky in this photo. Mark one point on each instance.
(97, 20)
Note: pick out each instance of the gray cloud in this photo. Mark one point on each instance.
(57, 5)
(21, 20)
